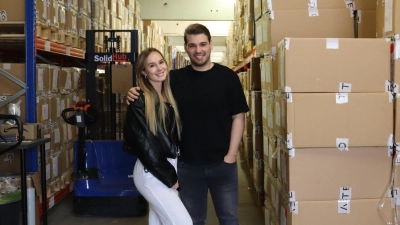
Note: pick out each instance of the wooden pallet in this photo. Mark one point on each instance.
(82, 43)
(12, 30)
(71, 40)
(46, 32)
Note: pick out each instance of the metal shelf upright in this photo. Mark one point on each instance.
(30, 68)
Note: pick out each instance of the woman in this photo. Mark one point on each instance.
(152, 132)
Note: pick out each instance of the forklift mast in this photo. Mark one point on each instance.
(110, 54)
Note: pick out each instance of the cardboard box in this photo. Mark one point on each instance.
(323, 4)
(267, 79)
(255, 75)
(272, 193)
(257, 139)
(333, 212)
(366, 23)
(53, 78)
(322, 65)
(248, 150)
(42, 77)
(339, 120)
(257, 9)
(122, 78)
(55, 107)
(279, 106)
(387, 18)
(270, 154)
(42, 110)
(30, 130)
(266, 29)
(53, 13)
(268, 111)
(337, 23)
(13, 13)
(256, 104)
(17, 70)
(71, 21)
(258, 175)
(328, 171)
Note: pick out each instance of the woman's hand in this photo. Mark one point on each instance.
(132, 94)
(176, 186)
(230, 158)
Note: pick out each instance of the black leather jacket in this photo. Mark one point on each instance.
(152, 150)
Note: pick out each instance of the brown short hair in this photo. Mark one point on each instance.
(196, 28)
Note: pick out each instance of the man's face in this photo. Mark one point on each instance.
(199, 49)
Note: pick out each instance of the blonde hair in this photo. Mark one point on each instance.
(152, 98)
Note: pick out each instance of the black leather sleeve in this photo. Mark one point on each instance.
(140, 141)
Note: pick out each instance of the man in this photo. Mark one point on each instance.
(211, 104)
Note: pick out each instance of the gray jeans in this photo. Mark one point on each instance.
(221, 179)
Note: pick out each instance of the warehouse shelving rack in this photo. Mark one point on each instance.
(61, 54)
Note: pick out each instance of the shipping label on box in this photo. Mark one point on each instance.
(388, 18)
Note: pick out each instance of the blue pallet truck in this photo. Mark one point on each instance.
(103, 184)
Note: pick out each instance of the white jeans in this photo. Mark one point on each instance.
(166, 208)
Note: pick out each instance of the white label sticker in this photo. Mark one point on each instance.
(287, 43)
(269, 4)
(40, 83)
(47, 144)
(51, 202)
(8, 157)
(396, 193)
(397, 49)
(292, 196)
(345, 193)
(397, 160)
(267, 72)
(344, 87)
(58, 105)
(289, 97)
(264, 108)
(359, 16)
(395, 88)
(292, 153)
(388, 15)
(272, 15)
(342, 144)
(397, 201)
(55, 166)
(45, 112)
(342, 98)
(388, 86)
(277, 114)
(3, 15)
(57, 136)
(48, 175)
(344, 206)
(289, 142)
(288, 89)
(47, 45)
(55, 79)
(78, 119)
(294, 207)
(270, 117)
(313, 12)
(68, 50)
(313, 4)
(6, 66)
(332, 43)
(266, 144)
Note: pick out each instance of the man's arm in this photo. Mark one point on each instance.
(132, 95)
(236, 137)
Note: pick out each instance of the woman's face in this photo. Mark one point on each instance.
(155, 68)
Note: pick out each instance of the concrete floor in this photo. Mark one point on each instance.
(249, 212)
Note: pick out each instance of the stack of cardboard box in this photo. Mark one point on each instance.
(333, 120)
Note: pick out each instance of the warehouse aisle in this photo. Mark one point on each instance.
(249, 212)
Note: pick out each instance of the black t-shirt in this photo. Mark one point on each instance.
(206, 102)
